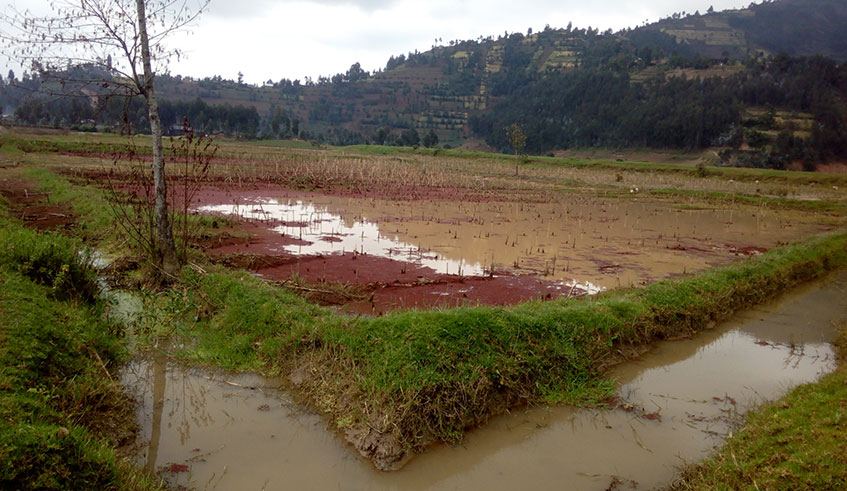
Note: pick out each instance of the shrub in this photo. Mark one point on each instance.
(49, 259)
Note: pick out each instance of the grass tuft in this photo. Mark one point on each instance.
(52, 260)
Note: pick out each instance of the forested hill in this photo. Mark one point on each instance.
(794, 27)
(739, 78)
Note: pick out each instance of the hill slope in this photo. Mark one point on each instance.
(442, 89)
(467, 90)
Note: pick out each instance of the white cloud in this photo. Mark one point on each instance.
(272, 39)
(257, 8)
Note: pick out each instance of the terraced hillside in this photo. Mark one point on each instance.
(440, 92)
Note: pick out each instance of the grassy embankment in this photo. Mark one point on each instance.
(795, 443)
(94, 216)
(416, 377)
(62, 412)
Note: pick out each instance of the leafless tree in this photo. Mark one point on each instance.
(127, 40)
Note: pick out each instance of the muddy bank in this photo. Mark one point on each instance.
(33, 207)
(674, 405)
(375, 285)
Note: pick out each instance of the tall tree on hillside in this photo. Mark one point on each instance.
(410, 138)
(125, 39)
(430, 139)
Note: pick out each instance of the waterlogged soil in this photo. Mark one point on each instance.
(435, 252)
(675, 404)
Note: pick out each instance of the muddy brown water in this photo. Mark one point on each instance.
(594, 243)
(221, 431)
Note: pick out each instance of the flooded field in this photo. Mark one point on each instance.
(218, 431)
(577, 245)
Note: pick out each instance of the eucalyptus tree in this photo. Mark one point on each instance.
(126, 41)
(517, 138)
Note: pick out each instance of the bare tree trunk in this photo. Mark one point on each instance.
(165, 242)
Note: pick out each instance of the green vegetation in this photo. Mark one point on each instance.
(72, 146)
(775, 203)
(417, 377)
(95, 220)
(55, 263)
(562, 110)
(795, 443)
(281, 160)
(62, 412)
(95, 217)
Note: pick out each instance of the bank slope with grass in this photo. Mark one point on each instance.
(395, 384)
(795, 443)
(61, 412)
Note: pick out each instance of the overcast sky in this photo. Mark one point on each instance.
(274, 39)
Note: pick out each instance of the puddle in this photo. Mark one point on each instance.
(216, 431)
(320, 231)
(593, 242)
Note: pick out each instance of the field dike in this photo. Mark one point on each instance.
(394, 385)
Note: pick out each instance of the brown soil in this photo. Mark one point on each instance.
(376, 285)
(371, 284)
(455, 291)
(833, 168)
(218, 189)
(381, 284)
(33, 207)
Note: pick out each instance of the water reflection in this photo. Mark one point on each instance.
(159, 385)
(327, 233)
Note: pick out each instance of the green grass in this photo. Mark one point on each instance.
(75, 143)
(109, 144)
(57, 263)
(60, 409)
(716, 197)
(540, 162)
(795, 443)
(94, 217)
(299, 144)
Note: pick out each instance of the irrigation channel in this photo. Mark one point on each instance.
(210, 430)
